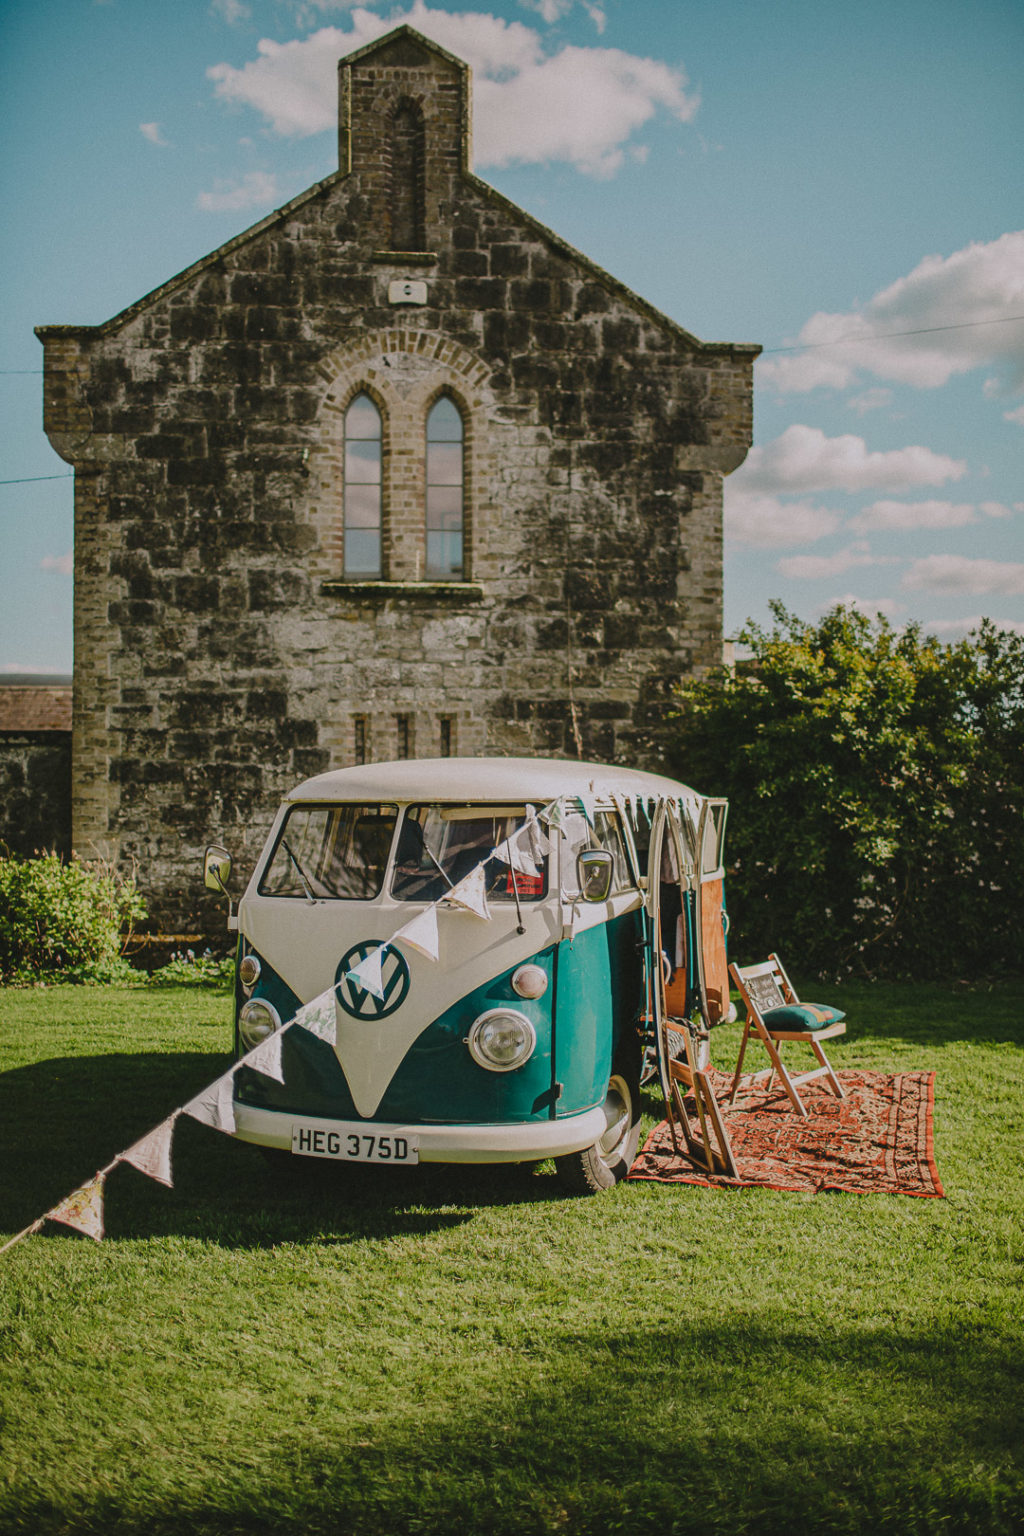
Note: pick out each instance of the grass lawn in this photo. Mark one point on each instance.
(331, 1350)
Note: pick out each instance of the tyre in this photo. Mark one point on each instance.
(610, 1158)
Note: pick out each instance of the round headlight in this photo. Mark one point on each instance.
(530, 981)
(257, 1020)
(501, 1040)
(249, 970)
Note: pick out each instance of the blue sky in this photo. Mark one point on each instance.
(820, 179)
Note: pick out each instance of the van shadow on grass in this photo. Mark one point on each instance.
(62, 1119)
(711, 1426)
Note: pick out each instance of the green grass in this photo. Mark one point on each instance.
(434, 1350)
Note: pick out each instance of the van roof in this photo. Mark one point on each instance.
(485, 778)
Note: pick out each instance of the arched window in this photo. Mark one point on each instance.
(362, 489)
(445, 489)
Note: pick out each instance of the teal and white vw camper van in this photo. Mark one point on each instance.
(464, 959)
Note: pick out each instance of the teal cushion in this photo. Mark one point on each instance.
(802, 1016)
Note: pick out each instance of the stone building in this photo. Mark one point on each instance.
(395, 472)
(35, 764)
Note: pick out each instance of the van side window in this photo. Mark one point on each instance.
(440, 844)
(605, 833)
(331, 852)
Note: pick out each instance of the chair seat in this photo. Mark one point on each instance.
(801, 1017)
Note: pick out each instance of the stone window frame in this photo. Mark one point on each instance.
(372, 396)
(445, 392)
(404, 373)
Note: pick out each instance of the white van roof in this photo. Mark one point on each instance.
(516, 779)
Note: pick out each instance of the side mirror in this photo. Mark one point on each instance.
(217, 869)
(594, 869)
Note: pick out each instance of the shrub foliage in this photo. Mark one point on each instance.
(64, 921)
(876, 788)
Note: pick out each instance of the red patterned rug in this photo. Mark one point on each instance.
(878, 1140)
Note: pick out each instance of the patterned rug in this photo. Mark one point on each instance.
(878, 1140)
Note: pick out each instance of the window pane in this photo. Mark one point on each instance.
(362, 463)
(444, 507)
(444, 464)
(444, 424)
(458, 838)
(362, 552)
(341, 850)
(444, 555)
(362, 507)
(362, 419)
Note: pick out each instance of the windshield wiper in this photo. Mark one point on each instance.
(310, 897)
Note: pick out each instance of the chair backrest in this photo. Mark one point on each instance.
(765, 985)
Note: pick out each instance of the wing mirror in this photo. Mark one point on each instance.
(217, 869)
(594, 869)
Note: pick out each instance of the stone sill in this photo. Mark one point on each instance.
(416, 591)
(405, 258)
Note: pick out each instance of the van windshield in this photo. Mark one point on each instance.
(440, 844)
(337, 852)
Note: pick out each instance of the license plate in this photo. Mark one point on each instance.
(350, 1142)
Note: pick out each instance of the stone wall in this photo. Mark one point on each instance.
(221, 655)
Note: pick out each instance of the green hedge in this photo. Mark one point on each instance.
(876, 787)
(64, 921)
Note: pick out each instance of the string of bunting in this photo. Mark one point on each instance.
(213, 1106)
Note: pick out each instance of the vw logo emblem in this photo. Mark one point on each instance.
(394, 977)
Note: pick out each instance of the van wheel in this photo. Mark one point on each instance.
(610, 1158)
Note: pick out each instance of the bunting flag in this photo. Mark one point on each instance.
(215, 1105)
(368, 974)
(152, 1155)
(554, 814)
(266, 1057)
(422, 934)
(588, 804)
(517, 852)
(320, 1017)
(83, 1210)
(471, 894)
(642, 803)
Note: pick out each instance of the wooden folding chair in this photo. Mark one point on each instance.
(704, 1133)
(777, 1015)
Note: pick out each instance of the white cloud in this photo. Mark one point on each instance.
(256, 190)
(151, 131)
(822, 567)
(803, 459)
(891, 515)
(966, 308)
(553, 10)
(954, 628)
(579, 105)
(961, 573)
(768, 523)
(1017, 415)
(870, 400)
(887, 606)
(231, 11)
(61, 565)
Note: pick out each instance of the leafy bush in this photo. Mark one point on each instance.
(876, 788)
(191, 970)
(65, 921)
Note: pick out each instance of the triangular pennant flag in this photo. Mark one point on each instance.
(471, 893)
(642, 803)
(83, 1210)
(421, 933)
(215, 1105)
(588, 802)
(515, 850)
(152, 1155)
(266, 1057)
(553, 813)
(320, 1017)
(533, 833)
(368, 974)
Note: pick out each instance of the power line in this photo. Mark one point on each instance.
(925, 330)
(32, 479)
